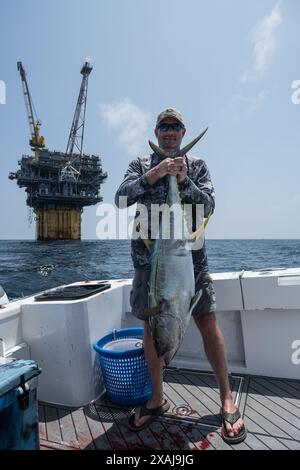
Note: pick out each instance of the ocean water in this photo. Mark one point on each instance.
(28, 267)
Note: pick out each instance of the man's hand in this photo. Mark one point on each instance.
(182, 173)
(169, 166)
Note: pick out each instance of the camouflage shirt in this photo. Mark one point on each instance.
(196, 189)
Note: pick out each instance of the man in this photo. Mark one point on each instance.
(146, 182)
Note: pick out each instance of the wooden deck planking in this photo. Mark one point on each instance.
(271, 408)
(180, 438)
(113, 434)
(252, 426)
(181, 396)
(273, 443)
(284, 391)
(83, 433)
(216, 440)
(47, 445)
(268, 427)
(96, 428)
(206, 382)
(131, 438)
(196, 382)
(290, 444)
(269, 392)
(254, 442)
(274, 419)
(67, 428)
(53, 428)
(195, 395)
(42, 422)
(199, 436)
(292, 384)
(200, 403)
(274, 405)
(162, 435)
(147, 437)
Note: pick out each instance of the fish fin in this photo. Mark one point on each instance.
(152, 311)
(195, 300)
(188, 147)
(194, 236)
(160, 152)
(148, 243)
(144, 237)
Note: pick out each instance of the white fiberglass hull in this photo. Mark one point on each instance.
(259, 314)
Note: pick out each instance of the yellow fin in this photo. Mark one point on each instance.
(145, 239)
(195, 299)
(151, 312)
(194, 236)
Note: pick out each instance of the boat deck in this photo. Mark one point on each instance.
(270, 407)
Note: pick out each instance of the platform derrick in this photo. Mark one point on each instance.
(59, 184)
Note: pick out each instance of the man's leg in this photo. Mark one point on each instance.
(155, 368)
(215, 350)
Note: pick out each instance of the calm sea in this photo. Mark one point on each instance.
(27, 267)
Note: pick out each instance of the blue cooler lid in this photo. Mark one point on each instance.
(12, 371)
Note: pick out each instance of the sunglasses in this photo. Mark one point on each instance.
(173, 127)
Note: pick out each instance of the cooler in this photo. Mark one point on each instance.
(18, 405)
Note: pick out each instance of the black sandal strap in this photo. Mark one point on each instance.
(231, 418)
(144, 411)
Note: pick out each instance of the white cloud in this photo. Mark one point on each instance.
(263, 40)
(241, 106)
(130, 122)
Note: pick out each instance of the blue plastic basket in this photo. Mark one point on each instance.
(125, 372)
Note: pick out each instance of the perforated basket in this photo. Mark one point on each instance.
(124, 369)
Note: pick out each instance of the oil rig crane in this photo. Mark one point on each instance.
(59, 184)
(69, 172)
(37, 141)
(77, 128)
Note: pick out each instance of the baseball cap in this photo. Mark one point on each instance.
(169, 113)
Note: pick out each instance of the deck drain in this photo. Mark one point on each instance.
(183, 410)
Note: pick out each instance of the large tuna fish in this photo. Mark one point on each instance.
(172, 285)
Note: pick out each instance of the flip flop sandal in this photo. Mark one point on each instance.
(152, 412)
(232, 418)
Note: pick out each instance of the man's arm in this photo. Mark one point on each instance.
(134, 184)
(198, 188)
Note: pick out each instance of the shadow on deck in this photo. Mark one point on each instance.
(270, 407)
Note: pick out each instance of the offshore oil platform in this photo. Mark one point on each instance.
(59, 184)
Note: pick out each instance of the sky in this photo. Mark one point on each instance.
(230, 65)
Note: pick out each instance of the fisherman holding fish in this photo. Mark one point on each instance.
(171, 280)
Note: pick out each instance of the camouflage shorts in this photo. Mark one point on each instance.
(140, 289)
